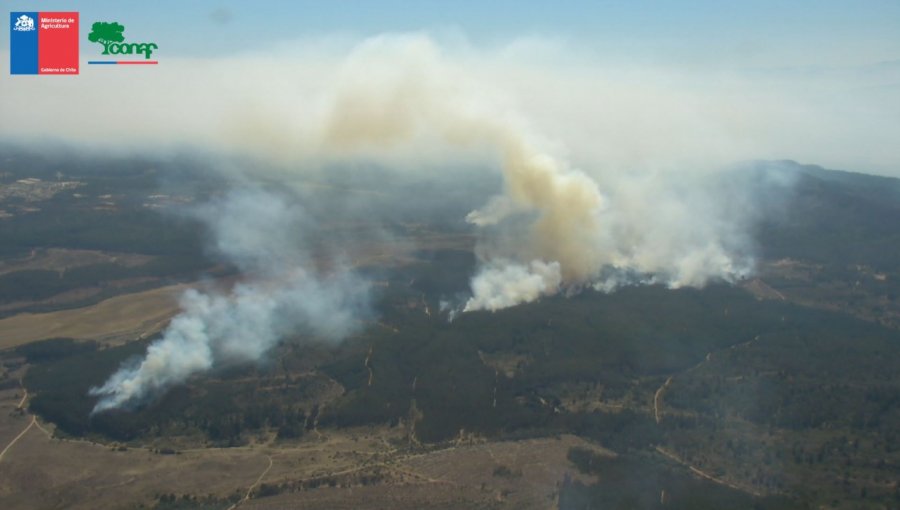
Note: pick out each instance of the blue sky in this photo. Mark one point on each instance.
(714, 32)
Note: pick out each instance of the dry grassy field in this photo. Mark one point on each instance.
(113, 320)
(348, 469)
(61, 259)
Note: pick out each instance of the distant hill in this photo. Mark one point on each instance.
(834, 217)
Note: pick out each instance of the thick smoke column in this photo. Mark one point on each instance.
(397, 93)
(556, 226)
(262, 235)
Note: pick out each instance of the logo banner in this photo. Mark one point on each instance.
(43, 43)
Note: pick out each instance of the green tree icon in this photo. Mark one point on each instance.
(106, 34)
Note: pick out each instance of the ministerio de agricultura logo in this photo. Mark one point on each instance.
(43, 43)
(111, 36)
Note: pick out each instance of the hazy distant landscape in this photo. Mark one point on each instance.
(461, 255)
(777, 392)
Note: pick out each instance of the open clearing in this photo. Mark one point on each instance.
(320, 471)
(111, 321)
(61, 259)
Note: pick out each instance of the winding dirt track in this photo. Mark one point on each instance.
(16, 439)
(34, 422)
(671, 455)
(656, 397)
(703, 474)
(255, 484)
(24, 398)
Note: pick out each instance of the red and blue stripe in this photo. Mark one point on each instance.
(124, 62)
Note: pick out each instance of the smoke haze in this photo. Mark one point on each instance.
(402, 93)
(611, 173)
(262, 235)
(636, 205)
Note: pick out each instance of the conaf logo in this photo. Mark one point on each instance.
(112, 37)
(24, 24)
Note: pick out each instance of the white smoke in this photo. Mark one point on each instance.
(503, 284)
(617, 187)
(258, 232)
(574, 225)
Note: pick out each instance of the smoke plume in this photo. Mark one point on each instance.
(621, 185)
(503, 284)
(393, 94)
(564, 219)
(262, 235)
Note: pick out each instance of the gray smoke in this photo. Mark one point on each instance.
(629, 193)
(573, 227)
(262, 234)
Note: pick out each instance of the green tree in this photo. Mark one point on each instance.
(106, 34)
